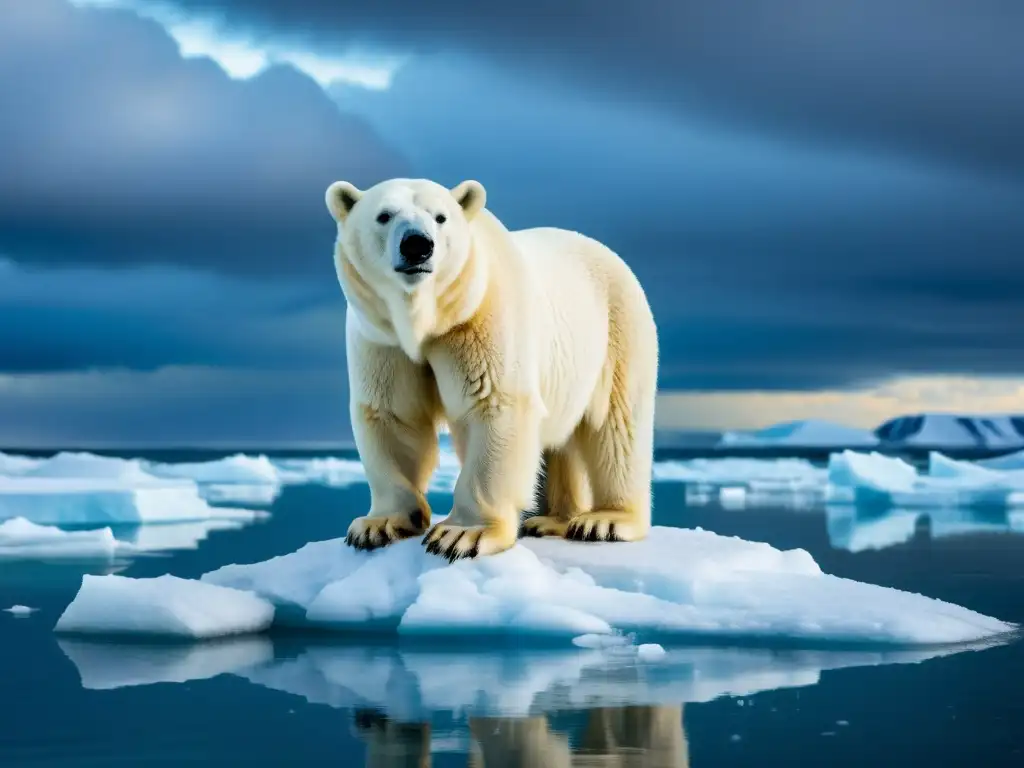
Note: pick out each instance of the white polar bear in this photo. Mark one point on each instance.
(526, 342)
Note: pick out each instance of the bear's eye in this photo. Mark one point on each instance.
(440, 218)
(383, 217)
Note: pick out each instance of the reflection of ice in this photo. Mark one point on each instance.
(173, 536)
(858, 530)
(24, 540)
(103, 666)
(413, 684)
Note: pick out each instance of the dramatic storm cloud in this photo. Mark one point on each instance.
(116, 150)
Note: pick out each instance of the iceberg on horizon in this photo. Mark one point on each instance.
(946, 431)
(806, 434)
(677, 584)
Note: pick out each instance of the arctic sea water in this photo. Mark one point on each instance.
(297, 699)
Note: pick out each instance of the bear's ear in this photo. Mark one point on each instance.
(471, 196)
(341, 197)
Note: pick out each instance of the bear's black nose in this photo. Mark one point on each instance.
(415, 248)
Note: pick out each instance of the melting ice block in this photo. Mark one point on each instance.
(82, 488)
(676, 583)
(165, 606)
(21, 539)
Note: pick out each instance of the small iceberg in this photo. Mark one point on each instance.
(874, 480)
(165, 606)
(237, 479)
(85, 489)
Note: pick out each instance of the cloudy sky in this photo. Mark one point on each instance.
(824, 201)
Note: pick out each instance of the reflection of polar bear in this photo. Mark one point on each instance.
(524, 342)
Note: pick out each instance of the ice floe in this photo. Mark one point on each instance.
(676, 583)
(166, 606)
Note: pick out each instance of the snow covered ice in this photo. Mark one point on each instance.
(677, 583)
(166, 606)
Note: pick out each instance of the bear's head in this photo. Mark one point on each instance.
(402, 233)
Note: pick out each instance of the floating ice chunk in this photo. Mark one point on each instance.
(650, 652)
(21, 539)
(237, 479)
(239, 468)
(165, 606)
(600, 641)
(762, 474)
(12, 464)
(20, 610)
(811, 433)
(972, 474)
(882, 481)
(1010, 461)
(105, 665)
(341, 473)
(81, 489)
(681, 583)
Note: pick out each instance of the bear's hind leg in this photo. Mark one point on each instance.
(618, 453)
(567, 492)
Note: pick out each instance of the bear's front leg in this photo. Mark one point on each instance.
(394, 408)
(497, 482)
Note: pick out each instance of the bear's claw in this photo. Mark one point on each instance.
(540, 526)
(604, 525)
(372, 532)
(456, 542)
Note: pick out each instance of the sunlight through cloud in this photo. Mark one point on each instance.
(243, 58)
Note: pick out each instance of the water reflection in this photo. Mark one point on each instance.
(628, 736)
(857, 530)
(411, 685)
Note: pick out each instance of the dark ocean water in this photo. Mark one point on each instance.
(297, 700)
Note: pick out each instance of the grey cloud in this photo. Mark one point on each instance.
(116, 150)
(149, 318)
(939, 79)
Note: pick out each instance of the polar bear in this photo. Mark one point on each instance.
(527, 343)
